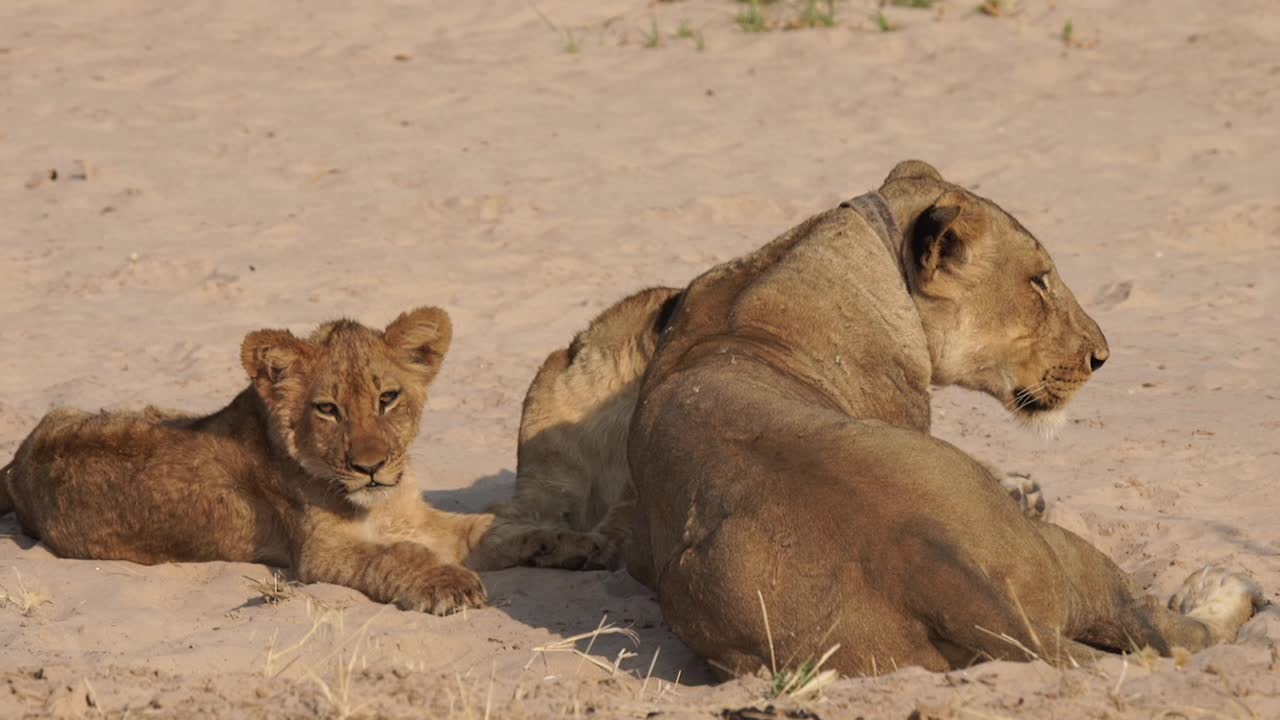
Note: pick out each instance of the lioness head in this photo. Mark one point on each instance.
(998, 317)
(345, 403)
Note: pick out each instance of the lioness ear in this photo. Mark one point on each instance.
(270, 357)
(913, 169)
(945, 236)
(423, 336)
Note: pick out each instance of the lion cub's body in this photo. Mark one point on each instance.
(573, 496)
(269, 478)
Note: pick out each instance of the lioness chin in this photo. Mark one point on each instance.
(306, 468)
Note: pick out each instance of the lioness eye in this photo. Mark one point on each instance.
(388, 397)
(1041, 281)
(327, 409)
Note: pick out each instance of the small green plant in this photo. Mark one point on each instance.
(883, 23)
(920, 4)
(652, 38)
(805, 681)
(684, 32)
(1071, 40)
(812, 16)
(751, 19)
(568, 42)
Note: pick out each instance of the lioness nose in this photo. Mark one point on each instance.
(1097, 358)
(367, 469)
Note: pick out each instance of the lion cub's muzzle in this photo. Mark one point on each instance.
(363, 476)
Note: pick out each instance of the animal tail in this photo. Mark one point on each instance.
(6, 500)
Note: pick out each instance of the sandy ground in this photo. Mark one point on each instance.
(224, 167)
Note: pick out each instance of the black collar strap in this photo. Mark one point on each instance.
(873, 208)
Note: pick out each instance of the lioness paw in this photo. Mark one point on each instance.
(444, 590)
(568, 550)
(1221, 599)
(1026, 492)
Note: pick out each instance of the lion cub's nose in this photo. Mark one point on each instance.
(1097, 358)
(366, 468)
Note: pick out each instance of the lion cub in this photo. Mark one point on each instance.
(306, 468)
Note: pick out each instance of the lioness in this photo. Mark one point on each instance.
(306, 468)
(573, 504)
(781, 453)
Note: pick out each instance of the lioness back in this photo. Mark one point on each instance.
(307, 468)
(571, 502)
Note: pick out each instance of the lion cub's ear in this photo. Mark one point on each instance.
(272, 356)
(422, 336)
(946, 237)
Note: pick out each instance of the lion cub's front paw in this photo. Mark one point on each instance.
(1219, 598)
(444, 590)
(1026, 492)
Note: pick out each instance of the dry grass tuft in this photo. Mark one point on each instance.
(803, 682)
(338, 693)
(999, 8)
(275, 589)
(25, 600)
(570, 645)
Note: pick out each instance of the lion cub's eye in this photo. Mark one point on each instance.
(327, 409)
(1041, 281)
(388, 398)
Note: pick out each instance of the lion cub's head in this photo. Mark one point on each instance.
(345, 403)
(997, 315)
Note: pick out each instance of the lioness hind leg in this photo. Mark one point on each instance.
(1220, 599)
(1210, 607)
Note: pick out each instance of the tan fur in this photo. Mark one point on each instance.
(573, 498)
(306, 468)
(780, 451)
(573, 505)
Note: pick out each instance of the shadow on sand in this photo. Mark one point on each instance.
(567, 603)
(482, 493)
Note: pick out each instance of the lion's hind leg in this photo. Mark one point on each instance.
(974, 615)
(1114, 613)
(1221, 600)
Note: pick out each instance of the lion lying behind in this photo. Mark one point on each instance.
(573, 497)
(306, 468)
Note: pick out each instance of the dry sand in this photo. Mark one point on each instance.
(227, 166)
